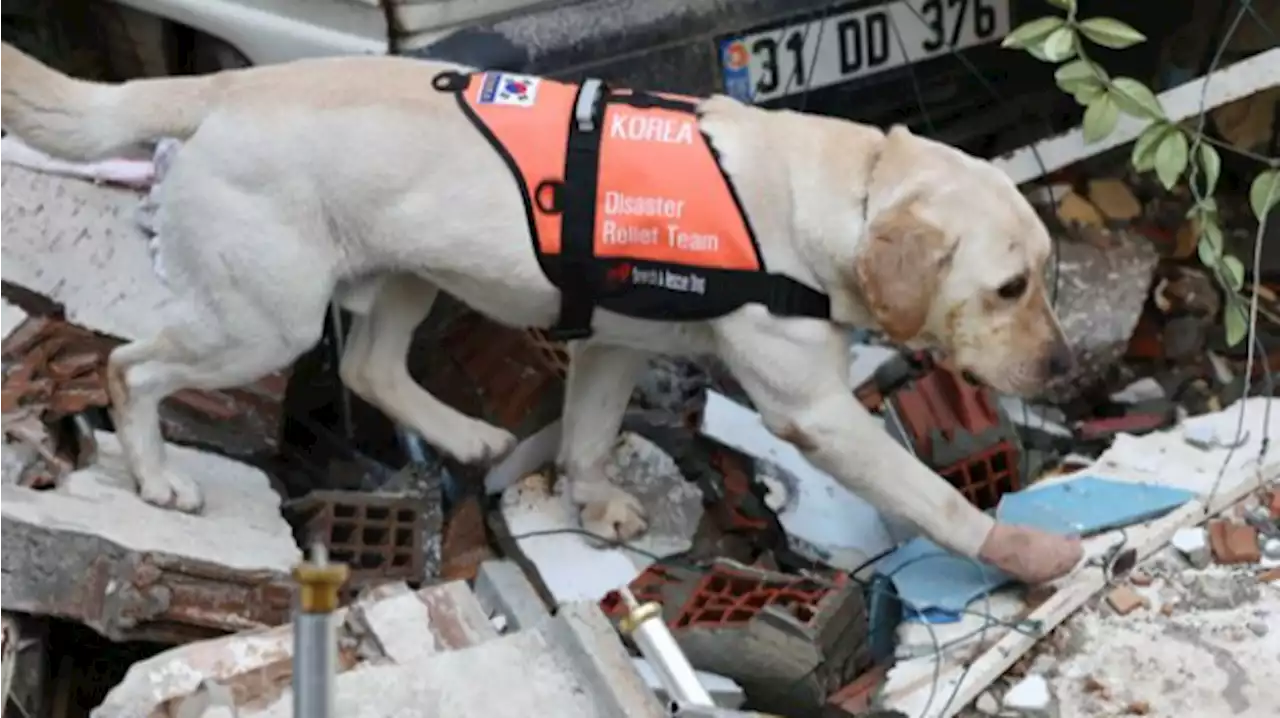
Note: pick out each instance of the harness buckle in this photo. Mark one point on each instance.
(587, 107)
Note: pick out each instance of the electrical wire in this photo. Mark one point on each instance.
(1252, 341)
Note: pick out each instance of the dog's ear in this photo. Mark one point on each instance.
(898, 269)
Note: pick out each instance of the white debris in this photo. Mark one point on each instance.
(1214, 654)
(1030, 695)
(1271, 549)
(574, 567)
(1194, 544)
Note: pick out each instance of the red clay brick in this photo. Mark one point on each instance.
(855, 698)
(1234, 543)
(1125, 600)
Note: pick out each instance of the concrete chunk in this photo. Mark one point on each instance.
(410, 626)
(502, 588)
(92, 551)
(77, 243)
(569, 666)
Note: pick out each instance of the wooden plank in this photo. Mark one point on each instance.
(947, 700)
(1226, 85)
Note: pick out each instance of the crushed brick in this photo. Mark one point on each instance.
(1095, 686)
(1234, 543)
(466, 542)
(1271, 575)
(1167, 609)
(855, 698)
(1141, 578)
(1125, 600)
(1138, 708)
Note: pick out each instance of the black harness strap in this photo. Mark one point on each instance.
(577, 229)
(780, 294)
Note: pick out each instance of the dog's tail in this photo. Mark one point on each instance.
(79, 120)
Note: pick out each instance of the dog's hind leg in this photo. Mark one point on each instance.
(373, 366)
(202, 351)
(601, 379)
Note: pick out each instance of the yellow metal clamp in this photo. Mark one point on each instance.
(318, 585)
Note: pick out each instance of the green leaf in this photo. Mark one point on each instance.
(1086, 95)
(1110, 32)
(1060, 45)
(1171, 158)
(1210, 167)
(1144, 148)
(1232, 271)
(1210, 246)
(1075, 75)
(1100, 118)
(1264, 192)
(1134, 98)
(1237, 323)
(1064, 4)
(1030, 33)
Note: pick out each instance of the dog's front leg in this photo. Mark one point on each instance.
(601, 379)
(796, 373)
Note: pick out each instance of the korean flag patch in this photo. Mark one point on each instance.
(503, 88)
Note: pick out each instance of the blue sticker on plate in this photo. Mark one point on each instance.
(735, 63)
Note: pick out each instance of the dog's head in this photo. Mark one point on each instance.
(954, 259)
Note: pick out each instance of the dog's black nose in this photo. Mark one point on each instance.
(1061, 360)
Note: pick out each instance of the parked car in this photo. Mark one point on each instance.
(933, 64)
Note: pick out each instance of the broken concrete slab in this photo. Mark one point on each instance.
(503, 588)
(92, 551)
(386, 624)
(76, 243)
(257, 666)
(1100, 281)
(412, 625)
(570, 666)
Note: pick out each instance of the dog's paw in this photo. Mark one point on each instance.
(172, 491)
(484, 444)
(621, 517)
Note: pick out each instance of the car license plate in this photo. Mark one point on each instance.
(849, 44)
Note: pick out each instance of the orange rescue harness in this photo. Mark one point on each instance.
(626, 201)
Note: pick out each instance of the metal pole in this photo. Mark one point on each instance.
(315, 647)
(645, 626)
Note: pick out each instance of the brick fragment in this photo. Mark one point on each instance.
(1138, 708)
(1141, 578)
(1125, 600)
(1234, 543)
(1271, 575)
(1095, 686)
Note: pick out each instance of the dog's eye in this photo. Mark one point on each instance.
(1014, 288)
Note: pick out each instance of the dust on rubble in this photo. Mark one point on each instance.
(1209, 645)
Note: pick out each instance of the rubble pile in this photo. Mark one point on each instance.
(783, 590)
(1198, 621)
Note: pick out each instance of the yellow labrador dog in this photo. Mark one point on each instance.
(358, 176)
